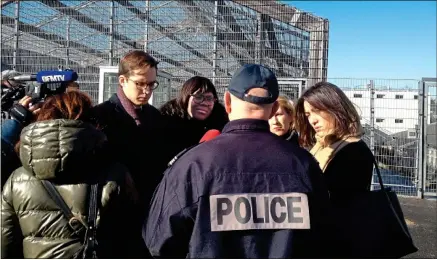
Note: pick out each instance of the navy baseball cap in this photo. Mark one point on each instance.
(254, 76)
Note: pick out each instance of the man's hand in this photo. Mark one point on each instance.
(24, 112)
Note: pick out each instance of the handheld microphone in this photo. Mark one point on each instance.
(49, 76)
(209, 135)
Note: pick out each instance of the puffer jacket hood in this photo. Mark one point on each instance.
(51, 149)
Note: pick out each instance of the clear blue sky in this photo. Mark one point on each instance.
(374, 39)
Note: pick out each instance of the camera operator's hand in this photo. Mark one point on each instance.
(34, 108)
(23, 112)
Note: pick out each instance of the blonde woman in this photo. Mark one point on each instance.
(282, 123)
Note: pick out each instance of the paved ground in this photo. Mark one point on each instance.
(421, 217)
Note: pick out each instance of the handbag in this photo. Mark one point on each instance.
(371, 225)
(89, 246)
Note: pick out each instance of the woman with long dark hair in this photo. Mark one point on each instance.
(329, 125)
(192, 113)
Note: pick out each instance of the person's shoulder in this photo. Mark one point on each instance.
(355, 151)
(357, 147)
(104, 107)
(305, 157)
(197, 154)
(22, 175)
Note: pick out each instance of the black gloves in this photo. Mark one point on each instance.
(21, 114)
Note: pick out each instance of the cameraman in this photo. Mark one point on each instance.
(21, 115)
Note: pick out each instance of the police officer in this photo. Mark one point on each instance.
(244, 194)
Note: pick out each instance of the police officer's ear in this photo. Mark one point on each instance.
(275, 107)
(227, 99)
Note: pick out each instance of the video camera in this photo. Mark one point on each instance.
(37, 86)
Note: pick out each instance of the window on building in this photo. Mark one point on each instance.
(358, 95)
(399, 121)
(379, 120)
(399, 96)
(416, 96)
(380, 96)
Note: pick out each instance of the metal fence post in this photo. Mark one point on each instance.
(372, 122)
(146, 26)
(425, 136)
(372, 116)
(214, 53)
(16, 34)
(258, 38)
(111, 34)
(421, 149)
(67, 45)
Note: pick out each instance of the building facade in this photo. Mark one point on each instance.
(395, 110)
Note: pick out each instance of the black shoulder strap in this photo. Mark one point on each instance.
(90, 236)
(75, 223)
(90, 242)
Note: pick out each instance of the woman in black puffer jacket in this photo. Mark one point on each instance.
(63, 148)
(189, 116)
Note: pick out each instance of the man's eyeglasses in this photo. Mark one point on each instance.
(145, 86)
(200, 98)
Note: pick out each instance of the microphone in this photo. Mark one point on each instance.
(31, 77)
(209, 135)
(49, 76)
(56, 76)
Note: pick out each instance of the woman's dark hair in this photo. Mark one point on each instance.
(180, 104)
(329, 98)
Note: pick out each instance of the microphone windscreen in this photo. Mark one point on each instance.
(56, 76)
(210, 134)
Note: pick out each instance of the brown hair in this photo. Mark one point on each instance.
(331, 99)
(74, 105)
(288, 106)
(134, 60)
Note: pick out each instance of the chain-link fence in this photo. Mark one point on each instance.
(398, 116)
(208, 38)
(213, 39)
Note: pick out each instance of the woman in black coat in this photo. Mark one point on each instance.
(329, 125)
(191, 114)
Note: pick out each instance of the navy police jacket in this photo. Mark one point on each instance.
(244, 194)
